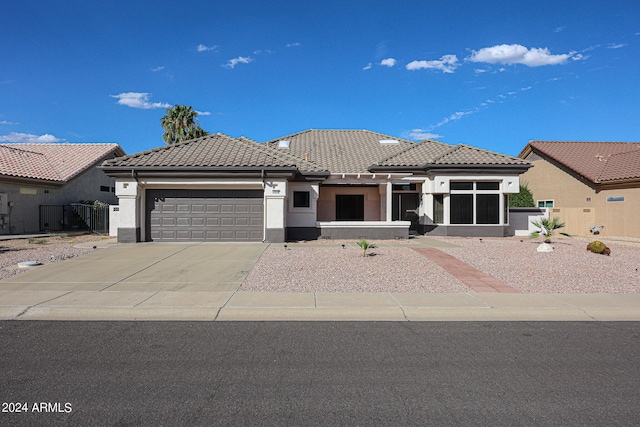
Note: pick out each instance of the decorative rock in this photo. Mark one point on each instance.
(27, 264)
(545, 247)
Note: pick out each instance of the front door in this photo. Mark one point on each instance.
(405, 208)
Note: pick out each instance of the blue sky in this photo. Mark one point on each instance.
(493, 74)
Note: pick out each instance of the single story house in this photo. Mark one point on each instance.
(312, 184)
(594, 187)
(35, 175)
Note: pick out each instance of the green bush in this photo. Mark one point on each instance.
(524, 199)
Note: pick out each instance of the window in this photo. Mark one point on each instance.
(615, 199)
(438, 208)
(473, 202)
(462, 185)
(545, 203)
(404, 187)
(461, 208)
(301, 199)
(488, 209)
(105, 188)
(349, 207)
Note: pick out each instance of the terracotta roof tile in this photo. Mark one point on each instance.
(596, 161)
(52, 162)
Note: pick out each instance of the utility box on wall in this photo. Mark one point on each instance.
(4, 204)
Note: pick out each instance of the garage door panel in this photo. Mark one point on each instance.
(205, 215)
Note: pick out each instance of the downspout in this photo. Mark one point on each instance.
(264, 209)
(139, 208)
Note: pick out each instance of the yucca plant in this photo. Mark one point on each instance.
(365, 245)
(547, 227)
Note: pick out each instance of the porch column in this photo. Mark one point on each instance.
(128, 193)
(275, 193)
(389, 204)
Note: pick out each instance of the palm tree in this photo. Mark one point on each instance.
(547, 227)
(180, 123)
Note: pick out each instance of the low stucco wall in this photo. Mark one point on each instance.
(364, 230)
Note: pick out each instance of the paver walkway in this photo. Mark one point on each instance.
(470, 276)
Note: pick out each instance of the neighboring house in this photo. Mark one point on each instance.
(34, 175)
(313, 184)
(592, 186)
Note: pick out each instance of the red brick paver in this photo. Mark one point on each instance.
(470, 276)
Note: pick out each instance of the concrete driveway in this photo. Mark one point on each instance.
(152, 277)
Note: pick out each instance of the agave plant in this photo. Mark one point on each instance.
(365, 245)
(547, 227)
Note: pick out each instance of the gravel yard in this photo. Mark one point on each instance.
(42, 249)
(570, 268)
(323, 267)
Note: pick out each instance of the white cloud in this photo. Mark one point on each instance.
(156, 69)
(296, 44)
(479, 71)
(239, 60)
(7, 122)
(421, 134)
(455, 116)
(525, 88)
(368, 66)
(204, 48)
(616, 46)
(138, 100)
(446, 64)
(389, 62)
(203, 113)
(518, 54)
(29, 138)
(559, 29)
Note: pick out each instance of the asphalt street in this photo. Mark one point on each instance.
(319, 373)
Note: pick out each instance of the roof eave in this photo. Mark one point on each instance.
(199, 172)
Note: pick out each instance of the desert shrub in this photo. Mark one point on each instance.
(598, 247)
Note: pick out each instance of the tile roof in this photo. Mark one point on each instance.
(433, 153)
(212, 151)
(52, 162)
(599, 162)
(341, 151)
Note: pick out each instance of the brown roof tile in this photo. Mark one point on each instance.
(463, 154)
(596, 161)
(341, 151)
(433, 153)
(212, 151)
(52, 162)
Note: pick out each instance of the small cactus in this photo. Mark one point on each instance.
(598, 247)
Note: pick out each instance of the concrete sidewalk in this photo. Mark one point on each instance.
(148, 281)
(263, 306)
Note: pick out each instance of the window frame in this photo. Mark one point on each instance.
(474, 192)
(308, 199)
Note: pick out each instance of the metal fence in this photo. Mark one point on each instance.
(74, 217)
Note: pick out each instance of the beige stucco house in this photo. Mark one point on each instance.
(37, 176)
(313, 184)
(591, 186)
